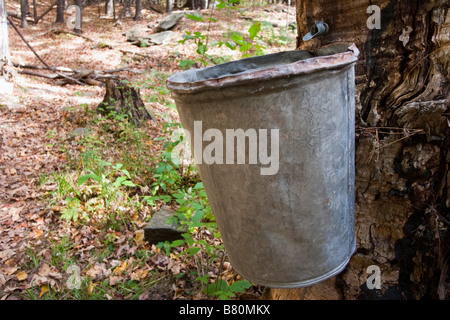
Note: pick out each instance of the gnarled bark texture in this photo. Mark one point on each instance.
(402, 147)
(123, 99)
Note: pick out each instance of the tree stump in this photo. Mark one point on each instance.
(125, 100)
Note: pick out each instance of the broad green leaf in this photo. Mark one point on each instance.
(197, 216)
(216, 43)
(245, 47)
(126, 173)
(214, 288)
(202, 48)
(177, 243)
(239, 286)
(198, 186)
(231, 45)
(119, 181)
(83, 179)
(128, 183)
(191, 251)
(254, 29)
(195, 17)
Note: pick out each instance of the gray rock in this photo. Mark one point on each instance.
(141, 35)
(160, 230)
(159, 38)
(136, 33)
(170, 21)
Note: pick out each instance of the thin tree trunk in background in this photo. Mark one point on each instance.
(402, 146)
(4, 43)
(34, 10)
(137, 15)
(24, 10)
(6, 88)
(109, 7)
(169, 6)
(60, 12)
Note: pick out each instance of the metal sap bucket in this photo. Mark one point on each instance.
(289, 224)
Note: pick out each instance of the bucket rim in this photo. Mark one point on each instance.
(301, 67)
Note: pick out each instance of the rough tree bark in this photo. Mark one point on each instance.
(124, 100)
(137, 15)
(169, 6)
(4, 43)
(60, 12)
(24, 12)
(402, 146)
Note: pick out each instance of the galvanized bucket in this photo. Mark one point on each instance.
(285, 210)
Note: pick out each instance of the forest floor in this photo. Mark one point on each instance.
(76, 188)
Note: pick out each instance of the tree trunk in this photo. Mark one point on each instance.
(109, 6)
(4, 43)
(137, 15)
(79, 26)
(60, 12)
(122, 99)
(35, 10)
(402, 147)
(169, 6)
(24, 12)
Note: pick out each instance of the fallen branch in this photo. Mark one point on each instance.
(40, 59)
(43, 75)
(30, 66)
(50, 8)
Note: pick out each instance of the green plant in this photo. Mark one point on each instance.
(224, 291)
(194, 214)
(33, 257)
(60, 252)
(250, 47)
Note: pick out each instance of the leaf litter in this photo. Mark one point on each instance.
(37, 123)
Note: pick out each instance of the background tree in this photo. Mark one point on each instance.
(24, 12)
(59, 11)
(137, 15)
(4, 44)
(109, 7)
(402, 149)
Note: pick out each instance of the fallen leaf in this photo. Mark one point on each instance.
(91, 287)
(44, 289)
(21, 276)
(139, 274)
(114, 279)
(95, 270)
(139, 237)
(175, 266)
(10, 262)
(122, 268)
(2, 279)
(10, 270)
(44, 270)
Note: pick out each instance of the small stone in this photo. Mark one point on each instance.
(160, 230)
(170, 21)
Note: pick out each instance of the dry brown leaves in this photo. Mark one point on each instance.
(35, 127)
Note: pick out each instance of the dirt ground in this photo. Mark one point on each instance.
(38, 116)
